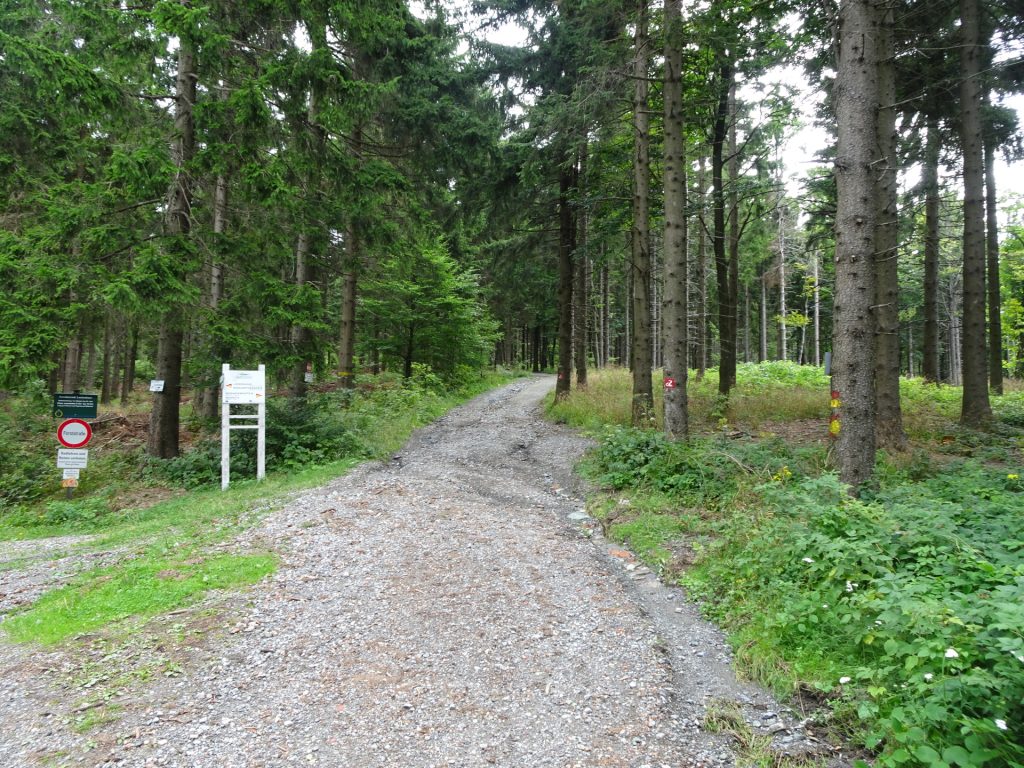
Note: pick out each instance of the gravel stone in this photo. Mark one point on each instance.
(447, 608)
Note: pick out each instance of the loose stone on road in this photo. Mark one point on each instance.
(451, 607)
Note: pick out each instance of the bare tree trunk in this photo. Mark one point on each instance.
(581, 297)
(763, 351)
(72, 362)
(728, 339)
(930, 179)
(783, 309)
(209, 397)
(299, 334)
(889, 432)
(108, 362)
(702, 274)
(975, 408)
(995, 322)
(856, 99)
(566, 245)
(676, 307)
(640, 266)
(817, 312)
(131, 353)
(606, 313)
(720, 136)
(165, 417)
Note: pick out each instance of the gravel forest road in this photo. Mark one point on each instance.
(451, 607)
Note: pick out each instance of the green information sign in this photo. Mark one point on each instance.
(74, 406)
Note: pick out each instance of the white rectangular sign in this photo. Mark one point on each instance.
(72, 474)
(244, 387)
(156, 385)
(72, 458)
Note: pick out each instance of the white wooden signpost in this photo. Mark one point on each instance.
(243, 388)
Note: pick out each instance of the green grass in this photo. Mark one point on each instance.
(143, 587)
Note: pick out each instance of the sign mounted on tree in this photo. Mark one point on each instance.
(74, 433)
(78, 406)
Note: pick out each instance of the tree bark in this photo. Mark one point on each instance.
(676, 306)
(165, 417)
(889, 432)
(930, 179)
(700, 329)
(726, 307)
(299, 334)
(975, 408)
(210, 396)
(640, 266)
(581, 297)
(566, 243)
(995, 322)
(856, 101)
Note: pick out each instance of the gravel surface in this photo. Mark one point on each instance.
(451, 607)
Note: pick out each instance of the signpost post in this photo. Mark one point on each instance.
(74, 433)
(243, 388)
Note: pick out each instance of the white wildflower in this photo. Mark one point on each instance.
(952, 654)
(851, 585)
(1020, 657)
(928, 676)
(844, 680)
(808, 559)
(1001, 725)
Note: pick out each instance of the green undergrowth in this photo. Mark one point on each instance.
(903, 610)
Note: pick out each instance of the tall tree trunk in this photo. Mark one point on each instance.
(763, 350)
(108, 361)
(856, 100)
(299, 333)
(783, 309)
(90, 359)
(581, 296)
(606, 314)
(728, 353)
(566, 244)
(930, 179)
(975, 409)
(131, 353)
(995, 322)
(71, 365)
(700, 329)
(165, 417)
(640, 266)
(347, 339)
(817, 312)
(210, 396)
(889, 432)
(676, 307)
(726, 309)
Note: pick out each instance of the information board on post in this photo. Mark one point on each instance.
(75, 406)
(72, 458)
(243, 388)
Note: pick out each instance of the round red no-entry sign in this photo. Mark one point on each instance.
(74, 433)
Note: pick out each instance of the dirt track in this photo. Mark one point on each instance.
(451, 607)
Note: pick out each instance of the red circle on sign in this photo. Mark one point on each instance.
(74, 433)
